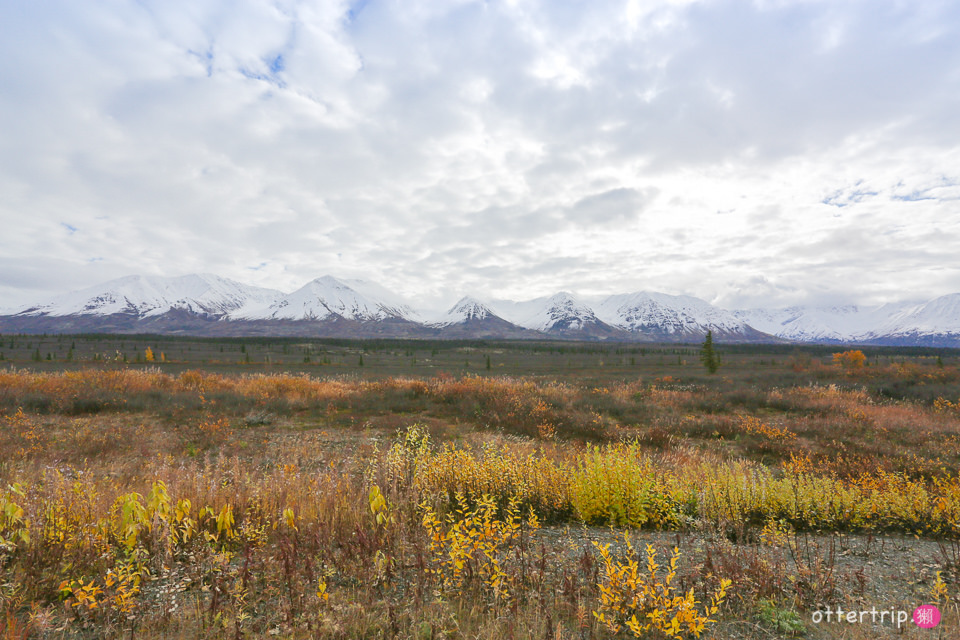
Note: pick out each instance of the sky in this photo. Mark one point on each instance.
(763, 153)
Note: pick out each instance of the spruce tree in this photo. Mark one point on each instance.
(708, 356)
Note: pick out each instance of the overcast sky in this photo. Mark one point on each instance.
(752, 154)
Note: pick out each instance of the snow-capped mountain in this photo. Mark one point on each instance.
(386, 297)
(895, 323)
(918, 324)
(470, 318)
(929, 323)
(326, 298)
(671, 317)
(560, 313)
(811, 324)
(203, 304)
(466, 309)
(150, 296)
(208, 305)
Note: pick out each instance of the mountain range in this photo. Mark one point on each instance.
(208, 305)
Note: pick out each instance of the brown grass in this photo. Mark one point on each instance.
(739, 474)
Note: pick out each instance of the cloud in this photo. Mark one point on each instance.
(615, 205)
(521, 146)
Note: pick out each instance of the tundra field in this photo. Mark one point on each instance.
(156, 487)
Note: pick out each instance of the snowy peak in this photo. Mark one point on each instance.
(812, 324)
(563, 312)
(939, 316)
(149, 296)
(386, 298)
(560, 312)
(567, 312)
(661, 314)
(467, 309)
(328, 298)
(850, 323)
(204, 304)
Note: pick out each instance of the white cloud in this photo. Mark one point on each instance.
(722, 149)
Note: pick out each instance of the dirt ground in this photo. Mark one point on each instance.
(891, 574)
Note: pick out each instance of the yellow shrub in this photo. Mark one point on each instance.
(121, 586)
(756, 426)
(474, 545)
(618, 485)
(14, 527)
(646, 601)
(536, 481)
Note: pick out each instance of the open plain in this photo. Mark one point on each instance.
(226, 488)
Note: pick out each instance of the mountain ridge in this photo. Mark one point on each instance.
(206, 304)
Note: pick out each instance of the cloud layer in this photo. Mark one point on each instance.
(751, 154)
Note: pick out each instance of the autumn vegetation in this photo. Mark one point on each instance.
(166, 501)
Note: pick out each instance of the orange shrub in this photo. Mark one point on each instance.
(850, 359)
